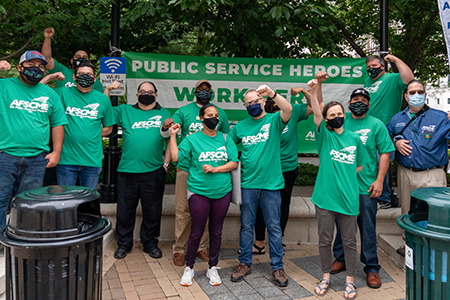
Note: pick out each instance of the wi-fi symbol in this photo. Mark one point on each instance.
(113, 64)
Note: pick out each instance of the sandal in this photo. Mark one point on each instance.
(261, 250)
(321, 288)
(352, 288)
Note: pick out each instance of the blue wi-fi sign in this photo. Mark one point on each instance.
(113, 65)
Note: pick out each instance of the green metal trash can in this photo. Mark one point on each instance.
(427, 230)
(54, 245)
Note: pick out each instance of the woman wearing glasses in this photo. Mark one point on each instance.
(336, 196)
(209, 158)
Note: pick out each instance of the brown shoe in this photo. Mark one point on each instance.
(203, 255)
(280, 277)
(373, 280)
(337, 267)
(240, 271)
(178, 259)
(401, 251)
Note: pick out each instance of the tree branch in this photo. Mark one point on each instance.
(18, 51)
(346, 35)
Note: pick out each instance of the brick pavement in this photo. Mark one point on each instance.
(139, 276)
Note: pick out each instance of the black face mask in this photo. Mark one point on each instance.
(203, 97)
(33, 74)
(374, 72)
(211, 123)
(146, 99)
(358, 108)
(84, 80)
(336, 122)
(78, 61)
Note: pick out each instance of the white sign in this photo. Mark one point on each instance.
(444, 12)
(114, 69)
(409, 257)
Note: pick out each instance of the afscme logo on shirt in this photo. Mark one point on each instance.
(194, 127)
(363, 135)
(219, 155)
(373, 88)
(286, 129)
(89, 111)
(262, 136)
(70, 84)
(153, 122)
(344, 155)
(37, 104)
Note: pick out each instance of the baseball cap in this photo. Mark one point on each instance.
(202, 81)
(32, 54)
(361, 92)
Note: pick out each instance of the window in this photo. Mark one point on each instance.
(427, 100)
(437, 101)
(448, 100)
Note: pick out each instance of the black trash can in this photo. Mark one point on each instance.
(54, 246)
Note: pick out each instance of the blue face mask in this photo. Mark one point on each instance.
(255, 110)
(417, 100)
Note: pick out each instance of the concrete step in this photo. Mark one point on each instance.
(389, 243)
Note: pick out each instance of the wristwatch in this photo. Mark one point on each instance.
(166, 165)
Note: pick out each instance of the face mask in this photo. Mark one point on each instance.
(358, 108)
(33, 74)
(374, 72)
(417, 100)
(84, 80)
(204, 96)
(146, 99)
(78, 61)
(211, 123)
(255, 110)
(336, 122)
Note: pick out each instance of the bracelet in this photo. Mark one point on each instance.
(166, 165)
(274, 95)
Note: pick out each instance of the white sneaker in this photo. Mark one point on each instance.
(214, 278)
(188, 274)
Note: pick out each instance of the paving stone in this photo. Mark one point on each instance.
(248, 296)
(312, 266)
(294, 290)
(270, 292)
(258, 283)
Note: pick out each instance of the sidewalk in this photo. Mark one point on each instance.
(139, 276)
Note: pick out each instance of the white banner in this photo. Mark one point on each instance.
(444, 12)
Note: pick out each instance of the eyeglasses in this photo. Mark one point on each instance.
(151, 93)
(418, 92)
(256, 101)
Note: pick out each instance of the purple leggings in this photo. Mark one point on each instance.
(201, 208)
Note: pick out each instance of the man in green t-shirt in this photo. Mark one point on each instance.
(142, 170)
(262, 177)
(54, 66)
(386, 96)
(189, 119)
(375, 137)
(28, 109)
(90, 117)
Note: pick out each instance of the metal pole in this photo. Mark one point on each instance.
(384, 15)
(108, 188)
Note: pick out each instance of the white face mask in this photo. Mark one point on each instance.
(417, 100)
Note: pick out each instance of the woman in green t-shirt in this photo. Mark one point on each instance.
(336, 195)
(210, 158)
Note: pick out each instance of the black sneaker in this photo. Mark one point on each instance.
(395, 200)
(154, 252)
(383, 204)
(120, 253)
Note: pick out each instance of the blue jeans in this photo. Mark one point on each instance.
(270, 202)
(68, 174)
(18, 174)
(368, 234)
(386, 193)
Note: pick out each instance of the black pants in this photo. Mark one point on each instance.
(286, 192)
(149, 187)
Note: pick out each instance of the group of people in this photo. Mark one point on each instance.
(354, 149)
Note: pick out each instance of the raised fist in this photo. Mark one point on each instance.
(49, 32)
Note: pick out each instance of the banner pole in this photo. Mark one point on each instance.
(108, 188)
(384, 26)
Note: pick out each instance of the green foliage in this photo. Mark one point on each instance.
(307, 174)
(171, 174)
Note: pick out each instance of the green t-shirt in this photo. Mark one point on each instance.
(375, 137)
(386, 96)
(68, 80)
(336, 187)
(197, 150)
(86, 113)
(143, 144)
(188, 117)
(26, 114)
(260, 155)
(289, 138)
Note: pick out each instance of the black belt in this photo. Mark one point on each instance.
(420, 170)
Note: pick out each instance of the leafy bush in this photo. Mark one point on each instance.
(307, 174)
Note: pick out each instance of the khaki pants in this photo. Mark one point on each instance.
(408, 181)
(183, 217)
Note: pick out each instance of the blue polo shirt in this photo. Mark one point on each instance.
(427, 135)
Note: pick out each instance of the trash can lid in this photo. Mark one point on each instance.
(438, 200)
(48, 212)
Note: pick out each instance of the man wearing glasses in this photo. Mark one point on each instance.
(188, 117)
(262, 177)
(142, 170)
(90, 117)
(28, 110)
(421, 144)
